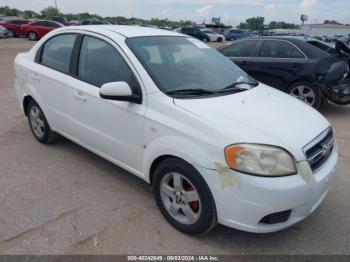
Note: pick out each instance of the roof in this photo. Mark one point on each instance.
(309, 50)
(127, 31)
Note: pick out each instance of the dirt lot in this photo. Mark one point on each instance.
(63, 199)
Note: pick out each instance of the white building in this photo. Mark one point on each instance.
(325, 30)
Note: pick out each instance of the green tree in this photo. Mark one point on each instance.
(253, 24)
(7, 11)
(29, 14)
(50, 11)
(333, 22)
(282, 25)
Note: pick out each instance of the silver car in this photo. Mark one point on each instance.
(3, 32)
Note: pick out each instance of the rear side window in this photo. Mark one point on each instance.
(52, 24)
(244, 48)
(57, 52)
(41, 23)
(279, 49)
(100, 63)
(19, 22)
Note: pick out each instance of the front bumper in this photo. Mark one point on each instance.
(244, 203)
(339, 93)
(3, 34)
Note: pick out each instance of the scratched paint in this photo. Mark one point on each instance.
(227, 177)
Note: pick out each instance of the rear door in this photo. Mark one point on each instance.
(278, 63)
(52, 81)
(242, 53)
(16, 26)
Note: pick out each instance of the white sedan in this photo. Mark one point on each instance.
(216, 146)
(214, 37)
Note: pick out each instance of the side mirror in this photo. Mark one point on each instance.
(119, 91)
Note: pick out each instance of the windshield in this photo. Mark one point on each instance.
(187, 64)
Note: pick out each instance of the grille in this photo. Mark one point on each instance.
(318, 153)
(275, 218)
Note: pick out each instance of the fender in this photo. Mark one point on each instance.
(180, 147)
(27, 89)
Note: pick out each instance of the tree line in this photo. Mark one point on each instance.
(252, 24)
(52, 11)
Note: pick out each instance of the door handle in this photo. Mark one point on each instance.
(36, 77)
(80, 96)
(294, 65)
(244, 62)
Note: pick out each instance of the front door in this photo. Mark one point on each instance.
(241, 53)
(111, 128)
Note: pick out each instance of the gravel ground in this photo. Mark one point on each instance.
(62, 199)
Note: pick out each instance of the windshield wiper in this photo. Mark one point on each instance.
(235, 86)
(190, 92)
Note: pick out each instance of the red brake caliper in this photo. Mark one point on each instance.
(194, 204)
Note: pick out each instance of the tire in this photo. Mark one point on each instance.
(219, 40)
(11, 33)
(39, 125)
(190, 217)
(306, 92)
(32, 36)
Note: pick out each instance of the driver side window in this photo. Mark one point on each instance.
(101, 63)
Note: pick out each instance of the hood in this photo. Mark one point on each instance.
(260, 115)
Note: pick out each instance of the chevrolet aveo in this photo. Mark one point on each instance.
(216, 146)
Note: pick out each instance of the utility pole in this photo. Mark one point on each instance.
(56, 4)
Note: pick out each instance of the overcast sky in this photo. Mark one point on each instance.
(230, 11)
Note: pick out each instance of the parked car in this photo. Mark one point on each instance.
(216, 146)
(38, 29)
(234, 34)
(3, 32)
(59, 19)
(294, 66)
(195, 32)
(214, 37)
(93, 22)
(14, 26)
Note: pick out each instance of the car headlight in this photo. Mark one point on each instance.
(260, 160)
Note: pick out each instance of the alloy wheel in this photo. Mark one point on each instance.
(304, 93)
(32, 36)
(180, 198)
(37, 121)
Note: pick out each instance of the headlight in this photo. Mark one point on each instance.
(260, 160)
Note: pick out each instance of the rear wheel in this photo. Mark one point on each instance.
(183, 197)
(306, 92)
(219, 39)
(32, 36)
(39, 125)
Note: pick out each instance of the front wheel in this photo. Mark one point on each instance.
(183, 197)
(219, 40)
(306, 92)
